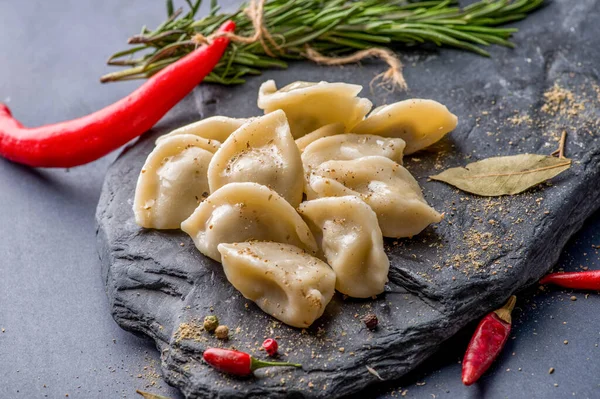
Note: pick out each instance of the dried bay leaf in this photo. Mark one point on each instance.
(148, 395)
(504, 175)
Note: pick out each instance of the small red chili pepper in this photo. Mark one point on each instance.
(237, 363)
(589, 280)
(270, 345)
(487, 342)
(88, 138)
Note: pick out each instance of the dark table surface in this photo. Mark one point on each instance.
(57, 337)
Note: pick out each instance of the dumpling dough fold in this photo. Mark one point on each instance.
(418, 122)
(241, 212)
(310, 106)
(281, 279)
(213, 128)
(328, 130)
(173, 181)
(262, 151)
(351, 240)
(387, 187)
(351, 146)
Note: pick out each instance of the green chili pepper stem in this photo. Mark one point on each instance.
(257, 364)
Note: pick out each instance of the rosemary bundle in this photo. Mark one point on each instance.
(299, 29)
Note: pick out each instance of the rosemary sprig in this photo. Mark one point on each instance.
(331, 27)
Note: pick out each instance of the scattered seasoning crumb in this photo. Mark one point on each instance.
(573, 298)
(189, 331)
(555, 384)
(551, 370)
(561, 101)
(566, 342)
(4, 330)
(517, 120)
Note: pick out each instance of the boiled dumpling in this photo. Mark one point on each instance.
(262, 151)
(241, 212)
(351, 241)
(418, 122)
(213, 128)
(328, 130)
(386, 186)
(351, 146)
(309, 106)
(173, 181)
(283, 280)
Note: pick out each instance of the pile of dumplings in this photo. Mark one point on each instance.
(295, 203)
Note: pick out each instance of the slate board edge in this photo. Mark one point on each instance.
(421, 349)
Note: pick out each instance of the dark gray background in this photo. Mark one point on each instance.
(59, 338)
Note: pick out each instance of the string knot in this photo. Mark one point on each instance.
(199, 39)
(255, 11)
(393, 76)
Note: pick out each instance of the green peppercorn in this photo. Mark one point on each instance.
(211, 323)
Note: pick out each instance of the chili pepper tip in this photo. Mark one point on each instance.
(586, 280)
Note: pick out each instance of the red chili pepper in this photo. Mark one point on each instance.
(589, 280)
(88, 138)
(270, 345)
(487, 342)
(237, 363)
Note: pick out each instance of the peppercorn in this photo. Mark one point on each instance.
(222, 332)
(211, 323)
(270, 345)
(370, 321)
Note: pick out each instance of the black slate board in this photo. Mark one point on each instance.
(440, 280)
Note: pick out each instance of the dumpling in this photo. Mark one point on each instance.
(262, 151)
(173, 181)
(241, 212)
(351, 146)
(387, 187)
(418, 122)
(328, 130)
(309, 106)
(213, 128)
(350, 238)
(281, 279)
